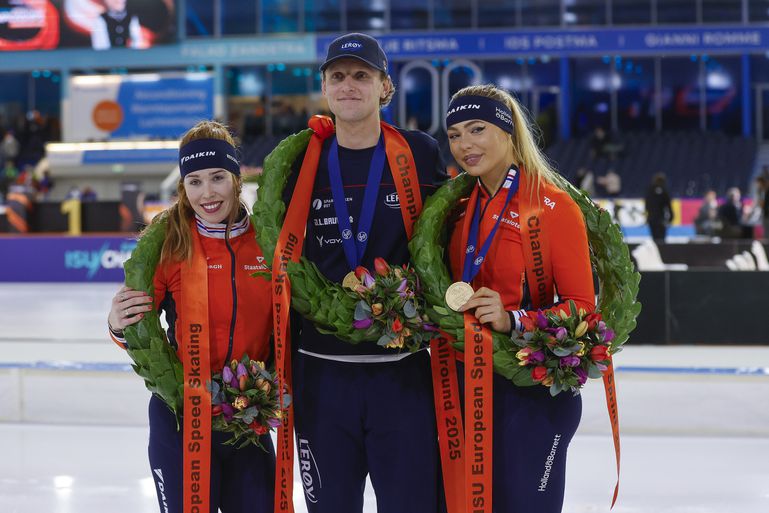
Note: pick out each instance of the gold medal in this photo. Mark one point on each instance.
(457, 294)
(350, 281)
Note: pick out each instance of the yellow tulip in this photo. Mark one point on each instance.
(581, 329)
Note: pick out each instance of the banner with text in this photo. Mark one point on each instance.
(64, 259)
(138, 106)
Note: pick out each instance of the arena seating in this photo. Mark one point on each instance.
(692, 161)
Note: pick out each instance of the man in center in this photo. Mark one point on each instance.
(364, 409)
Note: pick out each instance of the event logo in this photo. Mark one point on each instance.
(309, 469)
(197, 155)
(161, 488)
(549, 464)
(469, 106)
(103, 258)
(351, 45)
(392, 200)
(325, 241)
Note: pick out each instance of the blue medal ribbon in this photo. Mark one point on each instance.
(475, 257)
(354, 248)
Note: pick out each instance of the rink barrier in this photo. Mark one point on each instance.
(654, 400)
(124, 367)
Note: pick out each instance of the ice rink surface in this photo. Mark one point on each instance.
(695, 420)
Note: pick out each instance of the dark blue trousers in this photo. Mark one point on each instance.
(532, 432)
(242, 480)
(354, 419)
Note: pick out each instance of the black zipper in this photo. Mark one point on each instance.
(234, 300)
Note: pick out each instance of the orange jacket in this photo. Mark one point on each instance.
(239, 308)
(503, 269)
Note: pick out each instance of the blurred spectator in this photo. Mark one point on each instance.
(659, 210)
(9, 148)
(733, 216)
(8, 176)
(603, 148)
(73, 193)
(45, 184)
(598, 141)
(585, 180)
(88, 194)
(34, 137)
(707, 221)
(760, 213)
(611, 183)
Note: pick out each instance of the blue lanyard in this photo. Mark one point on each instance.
(474, 260)
(354, 249)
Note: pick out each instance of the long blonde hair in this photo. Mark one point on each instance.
(177, 245)
(526, 151)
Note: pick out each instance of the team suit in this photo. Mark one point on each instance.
(242, 480)
(532, 430)
(362, 408)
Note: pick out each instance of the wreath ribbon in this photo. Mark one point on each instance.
(194, 334)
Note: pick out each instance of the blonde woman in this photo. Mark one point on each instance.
(521, 243)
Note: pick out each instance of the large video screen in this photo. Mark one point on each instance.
(98, 24)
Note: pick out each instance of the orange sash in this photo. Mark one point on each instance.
(451, 437)
(289, 248)
(479, 415)
(611, 406)
(536, 252)
(194, 344)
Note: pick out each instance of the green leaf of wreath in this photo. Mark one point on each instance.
(154, 358)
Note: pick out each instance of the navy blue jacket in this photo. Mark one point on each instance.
(387, 239)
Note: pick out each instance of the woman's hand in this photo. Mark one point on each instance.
(128, 307)
(488, 308)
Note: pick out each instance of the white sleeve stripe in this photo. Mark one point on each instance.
(517, 316)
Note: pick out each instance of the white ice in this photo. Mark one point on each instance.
(694, 439)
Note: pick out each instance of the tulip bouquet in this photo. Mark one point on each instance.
(245, 401)
(562, 350)
(390, 301)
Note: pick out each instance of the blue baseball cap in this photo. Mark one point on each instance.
(356, 46)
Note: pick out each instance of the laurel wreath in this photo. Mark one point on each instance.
(609, 256)
(154, 359)
(328, 305)
(331, 307)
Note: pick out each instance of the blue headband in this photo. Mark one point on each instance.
(465, 108)
(206, 154)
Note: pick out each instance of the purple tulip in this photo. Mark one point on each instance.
(570, 361)
(241, 371)
(542, 322)
(608, 336)
(402, 286)
(227, 374)
(228, 411)
(363, 323)
(273, 422)
(560, 333)
(581, 375)
(537, 356)
(368, 281)
(601, 327)
(429, 327)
